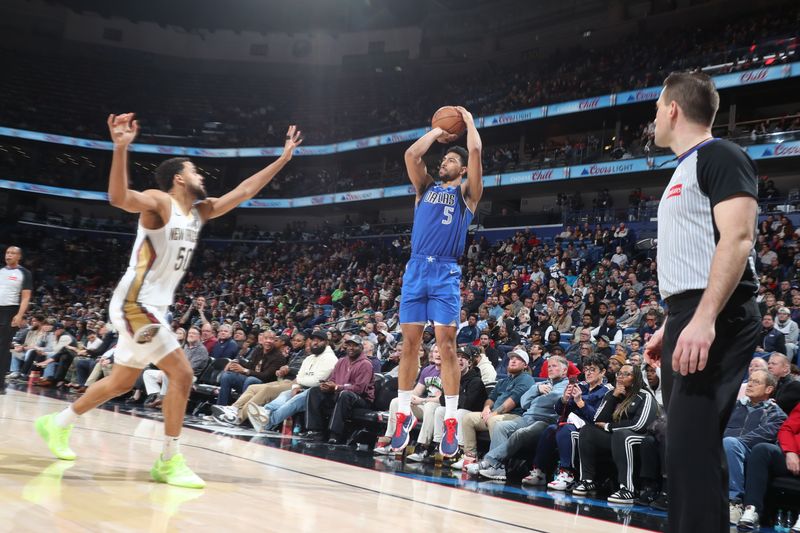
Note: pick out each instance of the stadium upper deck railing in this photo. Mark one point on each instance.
(623, 166)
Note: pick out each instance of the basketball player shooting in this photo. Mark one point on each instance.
(169, 224)
(431, 281)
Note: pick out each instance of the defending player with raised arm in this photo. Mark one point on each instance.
(170, 220)
(431, 281)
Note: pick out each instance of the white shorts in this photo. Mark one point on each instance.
(127, 320)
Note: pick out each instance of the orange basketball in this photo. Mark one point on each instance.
(449, 119)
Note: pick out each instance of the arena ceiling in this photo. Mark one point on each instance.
(266, 15)
(332, 15)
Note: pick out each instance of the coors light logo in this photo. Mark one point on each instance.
(355, 196)
(599, 170)
(645, 95)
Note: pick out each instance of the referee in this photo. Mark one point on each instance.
(16, 285)
(706, 271)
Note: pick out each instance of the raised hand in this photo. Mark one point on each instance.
(466, 115)
(294, 138)
(123, 128)
(446, 138)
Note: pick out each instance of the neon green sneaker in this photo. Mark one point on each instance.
(175, 472)
(56, 438)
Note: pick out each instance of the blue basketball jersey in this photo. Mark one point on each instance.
(441, 220)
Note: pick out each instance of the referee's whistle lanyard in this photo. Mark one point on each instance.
(679, 157)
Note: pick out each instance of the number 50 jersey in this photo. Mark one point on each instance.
(159, 260)
(441, 220)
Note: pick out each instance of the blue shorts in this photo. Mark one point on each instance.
(431, 291)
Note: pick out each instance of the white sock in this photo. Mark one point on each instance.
(66, 418)
(172, 447)
(450, 406)
(404, 402)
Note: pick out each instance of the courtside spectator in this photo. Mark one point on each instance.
(755, 419)
(787, 391)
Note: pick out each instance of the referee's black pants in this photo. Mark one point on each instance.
(698, 408)
(6, 334)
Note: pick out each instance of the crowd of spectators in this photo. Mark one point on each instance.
(582, 304)
(237, 110)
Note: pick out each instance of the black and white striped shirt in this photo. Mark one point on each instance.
(706, 175)
(12, 282)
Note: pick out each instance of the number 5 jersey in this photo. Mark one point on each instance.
(441, 220)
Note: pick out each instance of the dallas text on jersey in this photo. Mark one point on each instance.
(440, 197)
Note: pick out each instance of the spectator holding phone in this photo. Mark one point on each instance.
(576, 407)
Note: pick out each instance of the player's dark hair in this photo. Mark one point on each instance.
(462, 153)
(696, 95)
(166, 170)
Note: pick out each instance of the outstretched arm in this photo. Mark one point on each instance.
(473, 190)
(417, 172)
(216, 207)
(123, 129)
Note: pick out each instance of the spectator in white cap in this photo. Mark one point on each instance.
(503, 404)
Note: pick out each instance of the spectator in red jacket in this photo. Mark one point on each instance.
(770, 461)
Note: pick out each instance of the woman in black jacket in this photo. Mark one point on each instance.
(620, 424)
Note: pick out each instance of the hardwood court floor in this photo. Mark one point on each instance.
(251, 487)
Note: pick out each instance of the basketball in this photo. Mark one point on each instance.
(449, 119)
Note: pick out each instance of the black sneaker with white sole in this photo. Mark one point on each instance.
(583, 488)
(622, 496)
(225, 415)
